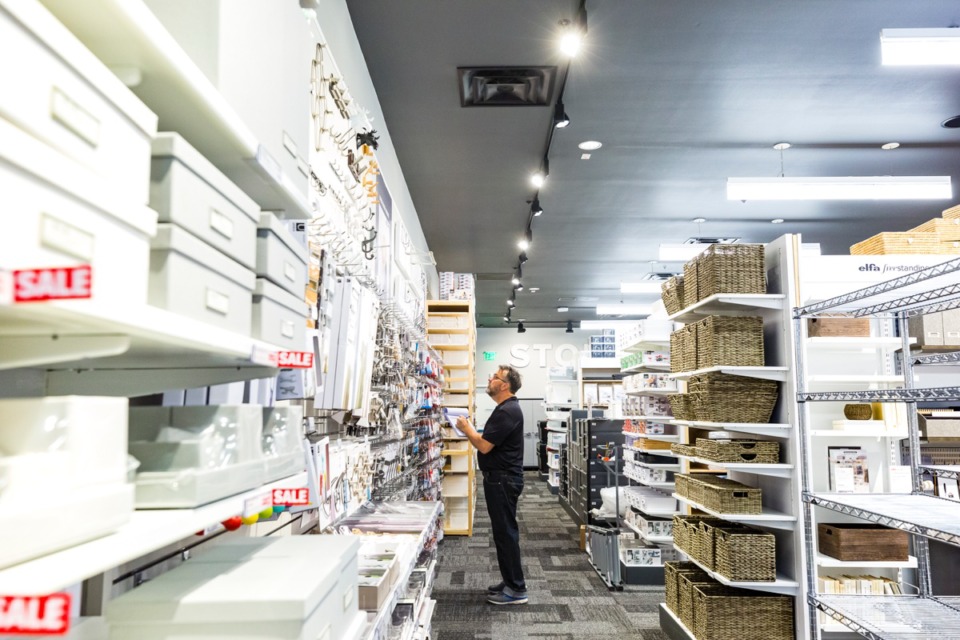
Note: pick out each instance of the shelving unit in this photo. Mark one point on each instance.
(768, 518)
(652, 392)
(761, 429)
(781, 585)
(779, 470)
(729, 304)
(779, 374)
(925, 517)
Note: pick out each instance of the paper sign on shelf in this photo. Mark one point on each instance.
(291, 497)
(257, 503)
(295, 359)
(35, 615)
(55, 283)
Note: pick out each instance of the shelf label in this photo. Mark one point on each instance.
(257, 503)
(35, 615)
(291, 497)
(64, 283)
(295, 359)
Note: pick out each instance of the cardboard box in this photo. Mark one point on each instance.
(583, 537)
(837, 327)
(862, 542)
(951, 327)
(927, 329)
(936, 428)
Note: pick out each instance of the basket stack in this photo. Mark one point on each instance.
(720, 495)
(735, 551)
(672, 293)
(724, 268)
(683, 349)
(671, 571)
(746, 451)
(716, 397)
(723, 613)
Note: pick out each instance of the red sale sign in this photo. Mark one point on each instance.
(291, 497)
(294, 359)
(63, 283)
(35, 615)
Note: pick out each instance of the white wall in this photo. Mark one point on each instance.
(532, 353)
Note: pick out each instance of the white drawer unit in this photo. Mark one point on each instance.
(279, 317)
(57, 90)
(280, 258)
(186, 189)
(59, 214)
(192, 278)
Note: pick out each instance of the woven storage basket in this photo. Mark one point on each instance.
(744, 554)
(681, 487)
(703, 539)
(729, 341)
(683, 449)
(677, 344)
(681, 405)
(671, 570)
(952, 212)
(685, 585)
(751, 451)
(726, 613)
(888, 243)
(686, 528)
(857, 411)
(690, 283)
(731, 268)
(948, 230)
(717, 397)
(727, 496)
(672, 294)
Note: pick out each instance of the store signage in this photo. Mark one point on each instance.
(295, 359)
(564, 355)
(65, 283)
(35, 615)
(489, 355)
(291, 497)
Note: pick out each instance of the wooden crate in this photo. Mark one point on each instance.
(891, 243)
(952, 212)
(836, 327)
(862, 542)
(948, 230)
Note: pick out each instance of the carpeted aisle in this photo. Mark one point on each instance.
(568, 601)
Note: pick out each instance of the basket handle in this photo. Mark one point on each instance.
(741, 494)
(748, 457)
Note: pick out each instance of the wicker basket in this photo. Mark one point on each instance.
(724, 613)
(951, 213)
(681, 449)
(703, 539)
(685, 585)
(690, 283)
(683, 349)
(751, 451)
(681, 404)
(887, 243)
(729, 341)
(671, 570)
(672, 294)
(745, 554)
(857, 411)
(731, 268)
(684, 531)
(727, 496)
(717, 397)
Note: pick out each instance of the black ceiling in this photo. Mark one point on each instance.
(682, 95)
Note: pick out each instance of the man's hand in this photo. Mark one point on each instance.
(464, 425)
(483, 446)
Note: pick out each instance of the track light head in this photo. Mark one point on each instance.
(511, 303)
(523, 257)
(535, 207)
(518, 286)
(521, 328)
(569, 326)
(515, 280)
(560, 118)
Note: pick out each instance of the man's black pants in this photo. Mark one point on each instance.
(502, 491)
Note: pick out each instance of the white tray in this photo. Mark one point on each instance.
(186, 489)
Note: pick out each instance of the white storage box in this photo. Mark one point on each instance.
(65, 216)
(459, 321)
(654, 526)
(458, 385)
(279, 317)
(655, 501)
(195, 455)
(455, 358)
(193, 279)
(282, 441)
(187, 190)
(61, 93)
(555, 439)
(280, 258)
(455, 339)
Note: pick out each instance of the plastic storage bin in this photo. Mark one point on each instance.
(282, 441)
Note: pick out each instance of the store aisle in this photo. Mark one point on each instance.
(567, 599)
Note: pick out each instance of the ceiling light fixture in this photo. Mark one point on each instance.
(849, 188)
(624, 309)
(521, 328)
(574, 32)
(539, 178)
(515, 280)
(560, 118)
(919, 47)
(569, 326)
(511, 302)
(890, 146)
(777, 221)
(535, 207)
(518, 287)
(952, 122)
(533, 289)
(524, 245)
(607, 324)
(649, 286)
(699, 220)
(563, 309)
(782, 146)
(523, 257)
(584, 156)
(506, 317)
(517, 275)
(590, 145)
(527, 240)
(680, 252)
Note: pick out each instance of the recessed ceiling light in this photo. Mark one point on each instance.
(563, 309)
(590, 145)
(533, 289)
(782, 146)
(951, 123)
(584, 156)
(890, 146)
(777, 221)
(699, 220)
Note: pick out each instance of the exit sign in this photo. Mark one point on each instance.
(489, 355)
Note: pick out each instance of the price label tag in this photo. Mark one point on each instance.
(291, 497)
(35, 615)
(295, 359)
(257, 503)
(58, 283)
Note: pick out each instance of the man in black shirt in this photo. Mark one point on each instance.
(500, 454)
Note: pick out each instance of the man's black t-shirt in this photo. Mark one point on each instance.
(504, 430)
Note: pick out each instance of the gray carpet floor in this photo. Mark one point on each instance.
(568, 601)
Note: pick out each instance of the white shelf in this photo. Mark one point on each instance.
(665, 453)
(761, 429)
(648, 344)
(827, 561)
(661, 437)
(125, 350)
(683, 628)
(661, 419)
(917, 514)
(653, 539)
(652, 392)
(781, 585)
(737, 304)
(780, 470)
(667, 486)
(656, 514)
(764, 373)
(835, 343)
(854, 379)
(650, 465)
(856, 433)
(769, 517)
(126, 34)
(651, 368)
(894, 617)
(147, 531)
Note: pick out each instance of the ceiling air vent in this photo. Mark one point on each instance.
(506, 86)
(712, 240)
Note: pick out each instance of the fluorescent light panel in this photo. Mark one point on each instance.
(624, 310)
(851, 188)
(680, 252)
(606, 324)
(920, 47)
(648, 286)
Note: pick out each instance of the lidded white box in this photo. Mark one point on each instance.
(280, 258)
(279, 317)
(282, 441)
